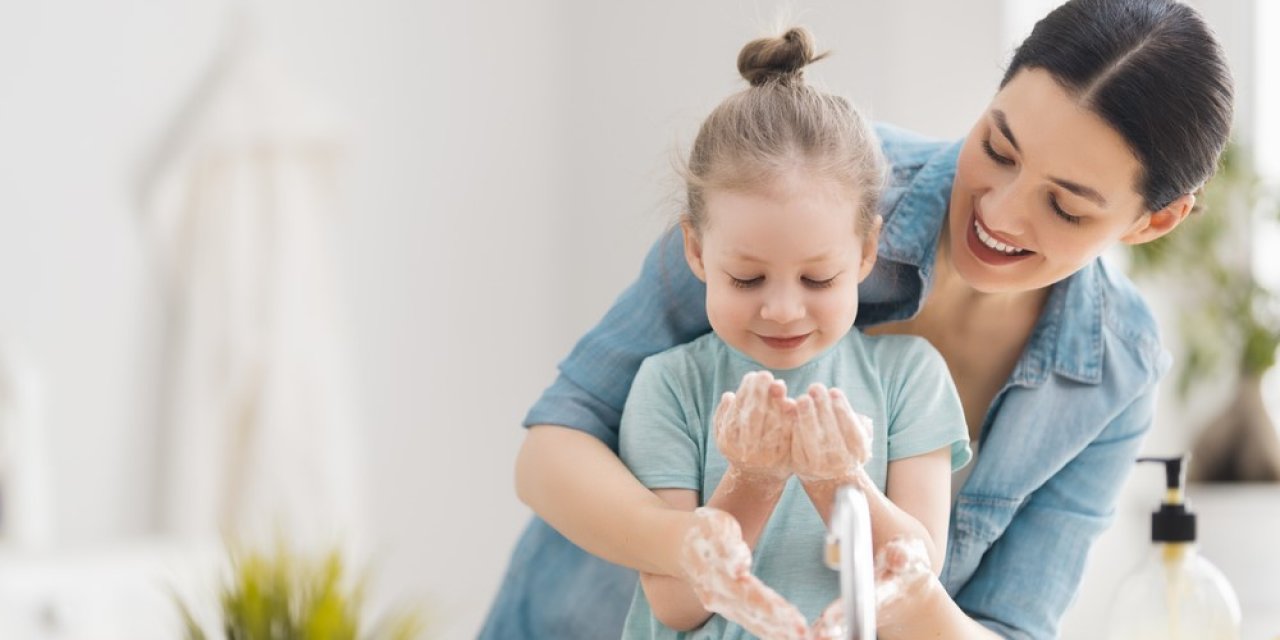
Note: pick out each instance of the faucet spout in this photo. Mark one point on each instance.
(848, 551)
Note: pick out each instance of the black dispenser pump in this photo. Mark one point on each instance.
(1173, 522)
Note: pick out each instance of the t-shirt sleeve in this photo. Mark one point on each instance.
(924, 409)
(656, 440)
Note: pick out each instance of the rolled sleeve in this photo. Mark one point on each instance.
(568, 405)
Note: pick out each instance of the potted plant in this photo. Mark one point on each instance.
(285, 596)
(1229, 323)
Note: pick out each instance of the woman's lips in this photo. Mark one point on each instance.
(986, 254)
(785, 342)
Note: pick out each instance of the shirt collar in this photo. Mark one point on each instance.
(1067, 338)
(910, 234)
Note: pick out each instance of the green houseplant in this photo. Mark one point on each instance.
(285, 596)
(1229, 323)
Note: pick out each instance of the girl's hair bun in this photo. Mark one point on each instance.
(780, 58)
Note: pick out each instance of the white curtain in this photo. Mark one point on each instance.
(25, 501)
(257, 433)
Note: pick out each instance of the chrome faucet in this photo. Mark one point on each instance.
(848, 550)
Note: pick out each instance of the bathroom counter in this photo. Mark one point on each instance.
(118, 592)
(1239, 530)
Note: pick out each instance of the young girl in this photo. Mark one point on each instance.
(783, 184)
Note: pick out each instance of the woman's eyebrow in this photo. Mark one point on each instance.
(1080, 190)
(1002, 123)
(1088, 193)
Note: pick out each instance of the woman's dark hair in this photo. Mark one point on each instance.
(1151, 69)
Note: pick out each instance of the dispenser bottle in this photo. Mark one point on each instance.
(1175, 593)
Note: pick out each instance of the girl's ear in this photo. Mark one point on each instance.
(1156, 224)
(693, 249)
(870, 244)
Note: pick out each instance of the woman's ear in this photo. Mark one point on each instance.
(870, 245)
(693, 248)
(1156, 224)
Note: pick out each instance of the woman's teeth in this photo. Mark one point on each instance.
(992, 243)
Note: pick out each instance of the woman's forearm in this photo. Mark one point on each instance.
(673, 602)
(750, 500)
(580, 487)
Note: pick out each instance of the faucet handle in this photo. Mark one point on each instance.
(831, 551)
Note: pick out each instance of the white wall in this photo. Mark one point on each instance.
(446, 250)
(643, 74)
(509, 164)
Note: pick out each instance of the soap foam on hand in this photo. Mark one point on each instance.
(901, 565)
(717, 564)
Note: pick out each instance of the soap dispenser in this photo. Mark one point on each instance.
(1175, 593)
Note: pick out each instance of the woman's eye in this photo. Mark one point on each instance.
(746, 283)
(1053, 203)
(818, 284)
(995, 157)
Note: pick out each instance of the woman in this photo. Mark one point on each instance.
(1110, 117)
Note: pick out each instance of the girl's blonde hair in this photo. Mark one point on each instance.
(779, 123)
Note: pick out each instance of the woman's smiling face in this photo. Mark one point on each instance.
(1043, 186)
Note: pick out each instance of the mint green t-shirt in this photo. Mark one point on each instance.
(667, 440)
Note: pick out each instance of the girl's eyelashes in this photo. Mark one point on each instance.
(995, 157)
(1053, 203)
(751, 283)
(818, 284)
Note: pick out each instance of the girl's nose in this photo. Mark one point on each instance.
(782, 305)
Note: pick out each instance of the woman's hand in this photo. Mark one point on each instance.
(753, 429)
(829, 442)
(717, 565)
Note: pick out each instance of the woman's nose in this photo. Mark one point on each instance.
(1004, 209)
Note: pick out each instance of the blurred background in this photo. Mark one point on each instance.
(302, 267)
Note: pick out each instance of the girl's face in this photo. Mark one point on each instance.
(782, 266)
(1043, 186)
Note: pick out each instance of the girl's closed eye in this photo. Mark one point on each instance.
(745, 283)
(819, 283)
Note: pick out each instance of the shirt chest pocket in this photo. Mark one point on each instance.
(976, 523)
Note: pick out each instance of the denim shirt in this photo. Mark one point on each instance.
(1056, 444)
